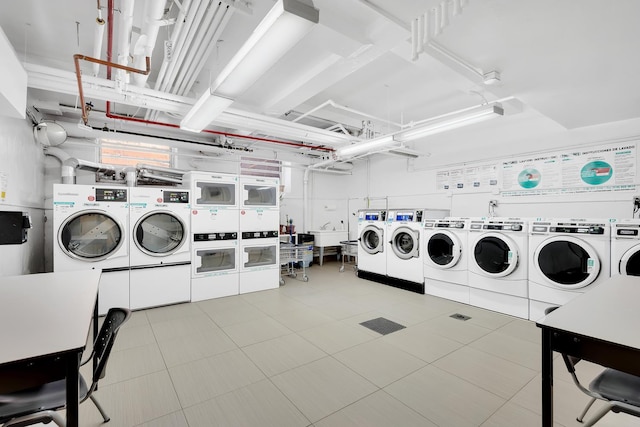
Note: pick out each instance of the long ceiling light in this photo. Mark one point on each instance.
(281, 29)
(363, 147)
(455, 122)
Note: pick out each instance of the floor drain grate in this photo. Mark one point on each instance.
(382, 326)
(459, 316)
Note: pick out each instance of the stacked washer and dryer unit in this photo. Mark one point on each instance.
(498, 274)
(569, 257)
(91, 225)
(215, 257)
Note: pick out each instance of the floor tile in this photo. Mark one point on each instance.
(133, 362)
(196, 345)
(302, 318)
(458, 330)
(242, 312)
(172, 312)
(283, 353)
(486, 318)
(379, 362)
(134, 336)
(445, 399)
(175, 419)
(257, 405)
(174, 328)
(322, 387)
(511, 415)
(341, 309)
(376, 410)
(336, 336)
(422, 343)
(507, 347)
(254, 331)
(523, 329)
(492, 373)
(207, 378)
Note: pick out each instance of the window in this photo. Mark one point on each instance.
(124, 153)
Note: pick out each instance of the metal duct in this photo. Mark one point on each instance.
(70, 166)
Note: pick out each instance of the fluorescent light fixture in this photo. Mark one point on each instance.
(208, 107)
(456, 121)
(365, 146)
(281, 29)
(491, 78)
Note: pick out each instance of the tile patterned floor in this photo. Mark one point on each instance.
(297, 356)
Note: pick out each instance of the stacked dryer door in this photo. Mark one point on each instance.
(160, 252)
(404, 255)
(498, 277)
(625, 247)
(91, 225)
(372, 257)
(445, 258)
(259, 236)
(215, 261)
(569, 257)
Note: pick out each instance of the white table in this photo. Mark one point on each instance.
(45, 320)
(600, 326)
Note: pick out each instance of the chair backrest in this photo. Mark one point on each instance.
(105, 339)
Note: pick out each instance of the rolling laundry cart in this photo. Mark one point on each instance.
(349, 250)
(293, 257)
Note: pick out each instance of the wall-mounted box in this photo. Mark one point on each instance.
(13, 227)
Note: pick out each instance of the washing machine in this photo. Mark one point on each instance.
(625, 247)
(91, 225)
(568, 257)
(498, 277)
(445, 258)
(372, 257)
(160, 255)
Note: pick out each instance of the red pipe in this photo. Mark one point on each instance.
(171, 125)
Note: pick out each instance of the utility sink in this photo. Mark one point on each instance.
(323, 238)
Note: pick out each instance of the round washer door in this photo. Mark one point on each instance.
(90, 236)
(630, 262)
(495, 254)
(159, 233)
(443, 250)
(567, 262)
(405, 243)
(371, 239)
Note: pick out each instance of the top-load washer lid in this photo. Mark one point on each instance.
(90, 235)
(160, 233)
(443, 250)
(567, 262)
(405, 243)
(630, 262)
(495, 254)
(372, 239)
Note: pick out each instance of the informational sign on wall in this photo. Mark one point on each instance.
(3, 186)
(607, 168)
(611, 168)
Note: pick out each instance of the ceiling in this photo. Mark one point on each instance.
(567, 64)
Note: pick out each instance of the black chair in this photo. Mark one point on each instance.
(39, 404)
(620, 391)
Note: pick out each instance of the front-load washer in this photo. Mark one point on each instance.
(259, 260)
(160, 254)
(625, 247)
(568, 257)
(498, 278)
(445, 258)
(372, 257)
(404, 259)
(214, 265)
(91, 225)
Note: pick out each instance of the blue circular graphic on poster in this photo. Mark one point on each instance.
(596, 172)
(529, 178)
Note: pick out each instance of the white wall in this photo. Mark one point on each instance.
(21, 163)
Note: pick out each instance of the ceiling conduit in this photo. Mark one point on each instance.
(153, 12)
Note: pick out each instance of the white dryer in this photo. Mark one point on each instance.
(160, 255)
(404, 259)
(372, 257)
(214, 201)
(260, 260)
(214, 265)
(568, 257)
(259, 203)
(498, 278)
(91, 225)
(625, 247)
(445, 258)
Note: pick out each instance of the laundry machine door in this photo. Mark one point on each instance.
(90, 236)
(630, 262)
(209, 193)
(443, 250)
(567, 262)
(160, 233)
(371, 239)
(405, 243)
(495, 255)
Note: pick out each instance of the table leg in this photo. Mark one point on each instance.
(547, 378)
(73, 385)
(321, 254)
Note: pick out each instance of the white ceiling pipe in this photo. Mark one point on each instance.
(153, 13)
(97, 40)
(208, 34)
(332, 103)
(187, 79)
(124, 37)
